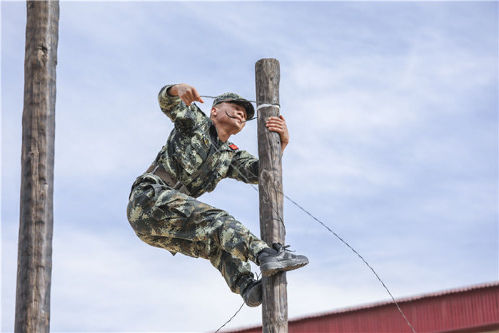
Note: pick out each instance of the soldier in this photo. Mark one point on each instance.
(163, 209)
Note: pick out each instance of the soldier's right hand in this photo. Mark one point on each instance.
(187, 93)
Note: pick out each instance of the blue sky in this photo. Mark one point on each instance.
(392, 112)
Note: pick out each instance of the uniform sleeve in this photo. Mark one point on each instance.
(182, 115)
(244, 167)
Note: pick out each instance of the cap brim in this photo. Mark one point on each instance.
(250, 111)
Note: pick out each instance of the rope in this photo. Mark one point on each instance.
(267, 105)
(216, 97)
(235, 314)
(230, 319)
(358, 254)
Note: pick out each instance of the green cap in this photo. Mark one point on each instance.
(236, 99)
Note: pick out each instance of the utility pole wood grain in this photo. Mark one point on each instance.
(274, 305)
(34, 264)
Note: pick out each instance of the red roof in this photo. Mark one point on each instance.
(468, 309)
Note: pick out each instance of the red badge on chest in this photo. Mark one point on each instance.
(233, 147)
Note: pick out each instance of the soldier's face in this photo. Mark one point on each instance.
(230, 115)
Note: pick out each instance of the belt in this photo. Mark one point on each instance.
(159, 170)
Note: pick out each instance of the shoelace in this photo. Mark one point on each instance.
(281, 248)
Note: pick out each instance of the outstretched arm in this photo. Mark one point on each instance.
(278, 125)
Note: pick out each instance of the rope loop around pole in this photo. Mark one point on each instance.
(267, 105)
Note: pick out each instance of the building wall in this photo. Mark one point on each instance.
(470, 310)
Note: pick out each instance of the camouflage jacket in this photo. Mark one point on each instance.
(194, 143)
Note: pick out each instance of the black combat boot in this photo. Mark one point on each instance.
(252, 294)
(279, 259)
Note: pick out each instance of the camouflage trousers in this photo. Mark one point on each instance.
(166, 218)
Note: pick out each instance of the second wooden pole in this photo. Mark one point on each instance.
(274, 305)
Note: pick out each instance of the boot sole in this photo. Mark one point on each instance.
(256, 300)
(283, 266)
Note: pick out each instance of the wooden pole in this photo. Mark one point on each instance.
(274, 305)
(34, 264)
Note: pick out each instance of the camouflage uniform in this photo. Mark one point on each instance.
(170, 217)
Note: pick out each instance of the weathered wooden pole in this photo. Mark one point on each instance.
(275, 304)
(34, 263)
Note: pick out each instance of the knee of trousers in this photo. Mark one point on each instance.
(238, 240)
(140, 203)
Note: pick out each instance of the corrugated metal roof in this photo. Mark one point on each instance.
(405, 299)
(471, 307)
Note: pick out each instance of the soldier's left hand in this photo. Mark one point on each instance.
(278, 125)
